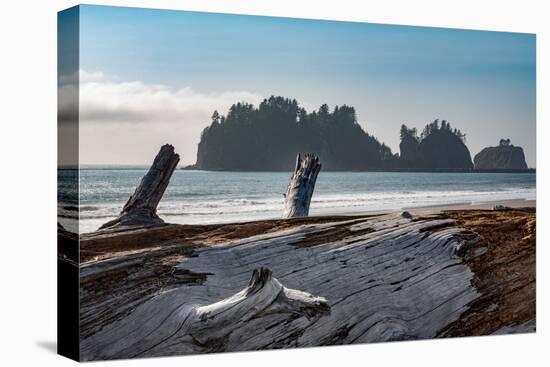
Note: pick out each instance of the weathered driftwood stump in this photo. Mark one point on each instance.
(141, 208)
(300, 189)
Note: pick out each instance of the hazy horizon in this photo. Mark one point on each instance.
(150, 77)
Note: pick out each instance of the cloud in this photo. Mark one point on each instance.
(108, 105)
(104, 101)
(109, 100)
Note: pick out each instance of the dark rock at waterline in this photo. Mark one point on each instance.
(504, 156)
(438, 147)
(443, 149)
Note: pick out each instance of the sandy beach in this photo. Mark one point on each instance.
(477, 206)
(433, 209)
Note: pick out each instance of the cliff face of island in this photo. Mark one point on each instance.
(503, 156)
(268, 137)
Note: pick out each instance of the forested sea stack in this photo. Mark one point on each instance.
(267, 139)
(439, 147)
(504, 156)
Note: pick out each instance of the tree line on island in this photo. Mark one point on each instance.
(267, 138)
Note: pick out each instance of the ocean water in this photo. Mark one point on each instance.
(195, 197)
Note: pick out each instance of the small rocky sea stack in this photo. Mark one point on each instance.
(504, 156)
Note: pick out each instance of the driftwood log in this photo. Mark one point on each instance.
(305, 282)
(300, 189)
(141, 208)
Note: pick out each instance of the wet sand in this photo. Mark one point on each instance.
(477, 206)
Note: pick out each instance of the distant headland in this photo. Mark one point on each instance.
(267, 138)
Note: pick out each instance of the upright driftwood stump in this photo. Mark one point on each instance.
(141, 208)
(300, 189)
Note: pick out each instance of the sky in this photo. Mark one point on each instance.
(149, 77)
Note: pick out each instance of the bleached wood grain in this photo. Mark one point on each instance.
(350, 281)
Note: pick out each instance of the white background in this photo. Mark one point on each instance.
(28, 182)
